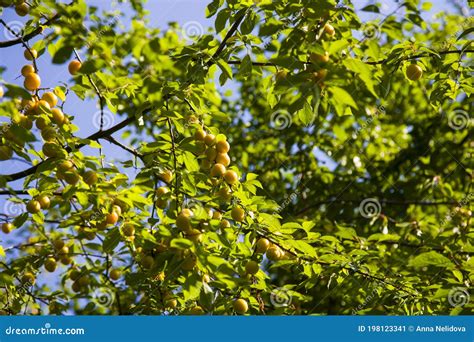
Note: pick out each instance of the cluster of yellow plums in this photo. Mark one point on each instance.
(35, 109)
(43, 111)
(216, 160)
(273, 252)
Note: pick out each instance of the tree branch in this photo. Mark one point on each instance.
(383, 61)
(428, 54)
(347, 267)
(124, 147)
(30, 35)
(229, 34)
(96, 136)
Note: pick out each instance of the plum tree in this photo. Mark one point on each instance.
(288, 148)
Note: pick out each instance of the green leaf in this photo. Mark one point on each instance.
(306, 115)
(426, 6)
(371, 8)
(225, 68)
(111, 240)
(302, 247)
(63, 54)
(465, 33)
(431, 259)
(181, 243)
(91, 66)
(221, 20)
(246, 66)
(212, 8)
(249, 23)
(22, 133)
(342, 96)
(60, 93)
(14, 91)
(458, 275)
(192, 287)
(363, 71)
(20, 220)
(383, 237)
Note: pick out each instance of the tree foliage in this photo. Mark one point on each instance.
(346, 189)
